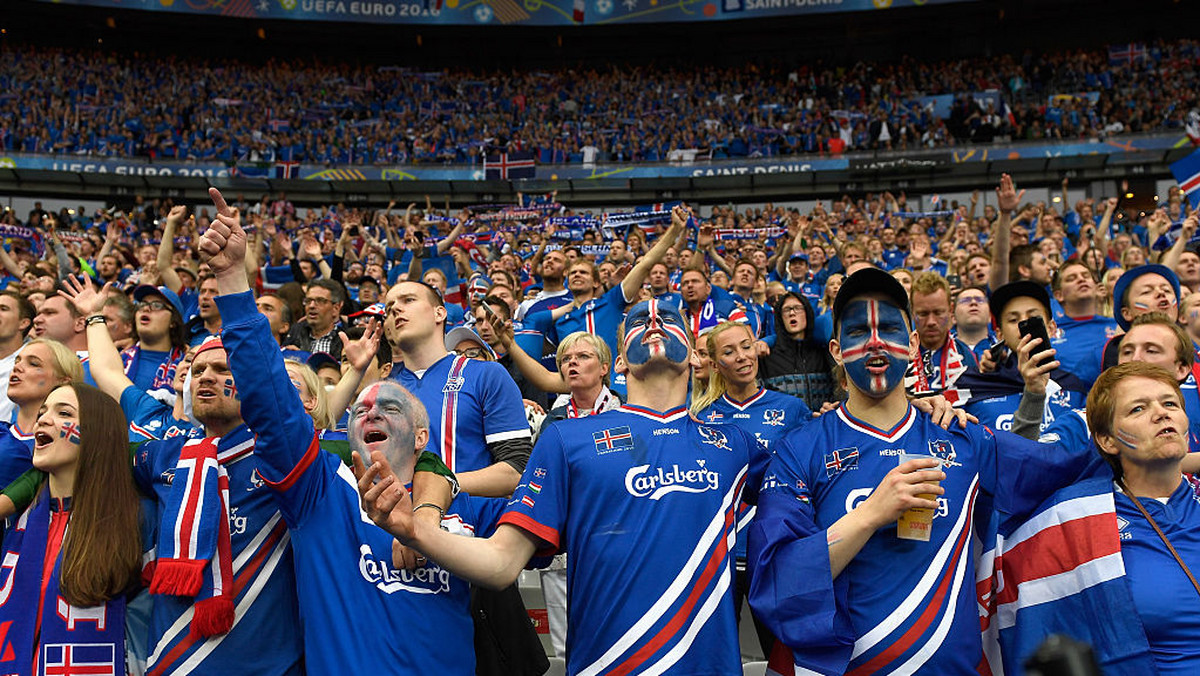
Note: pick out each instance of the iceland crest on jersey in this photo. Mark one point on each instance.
(943, 450)
(714, 437)
(713, 416)
(841, 460)
(773, 416)
(613, 439)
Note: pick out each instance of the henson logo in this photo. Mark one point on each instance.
(643, 482)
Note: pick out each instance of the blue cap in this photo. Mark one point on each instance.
(798, 256)
(1123, 283)
(144, 290)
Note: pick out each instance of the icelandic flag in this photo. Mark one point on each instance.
(278, 125)
(507, 166)
(1042, 575)
(612, 439)
(579, 9)
(1187, 173)
(275, 276)
(286, 169)
(1126, 53)
(79, 658)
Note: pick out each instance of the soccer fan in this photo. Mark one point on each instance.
(321, 509)
(1146, 288)
(942, 358)
(318, 330)
(993, 395)
(16, 320)
(1083, 331)
(830, 578)
(74, 554)
(972, 322)
(151, 362)
(207, 321)
(278, 314)
(479, 427)
(666, 478)
(797, 363)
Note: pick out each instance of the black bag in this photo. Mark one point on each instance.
(506, 643)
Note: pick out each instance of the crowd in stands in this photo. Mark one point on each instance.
(565, 310)
(106, 104)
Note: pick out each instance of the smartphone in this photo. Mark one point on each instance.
(996, 351)
(1034, 326)
(954, 281)
(487, 307)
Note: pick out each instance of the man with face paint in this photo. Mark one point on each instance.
(830, 578)
(344, 575)
(644, 498)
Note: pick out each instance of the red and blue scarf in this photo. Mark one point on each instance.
(194, 551)
(69, 639)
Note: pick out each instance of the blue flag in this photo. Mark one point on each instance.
(1187, 173)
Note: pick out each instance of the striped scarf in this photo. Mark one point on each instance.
(194, 552)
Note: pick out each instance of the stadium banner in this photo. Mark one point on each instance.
(731, 167)
(507, 12)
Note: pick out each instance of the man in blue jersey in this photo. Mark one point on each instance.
(1083, 331)
(992, 397)
(830, 577)
(643, 499)
(479, 427)
(343, 564)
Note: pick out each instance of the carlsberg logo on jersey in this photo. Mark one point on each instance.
(644, 482)
(431, 579)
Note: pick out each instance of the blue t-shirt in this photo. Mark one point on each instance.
(645, 504)
(150, 419)
(1156, 581)
(470, 404)
(599, 316)
(1081, 342)
(16, 452)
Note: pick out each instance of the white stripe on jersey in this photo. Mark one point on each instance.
(522, 433)
(677, 588)
(939, 635)
(917, 596)
(701, 619)
(745, 520)
(184, 621)
(239, 612)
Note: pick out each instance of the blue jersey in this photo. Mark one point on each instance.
(150, 419)
(1191, 406)
(1080, 342)
(470, 404)
(768, 415)
(997, 412)
(265, 638)
(899, 605)
(343, 562)
(645, 504)
(720, 306)
(1155, 578)
(16, 452)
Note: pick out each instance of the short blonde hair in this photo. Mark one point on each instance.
(601, 348)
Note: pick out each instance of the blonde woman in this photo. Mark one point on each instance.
(40, 366)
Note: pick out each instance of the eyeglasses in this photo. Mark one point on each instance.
(791, 310)
(473, 353)
(317, 301)
(972, 300)
(154, 305)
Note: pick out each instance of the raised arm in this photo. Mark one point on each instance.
(633, 281)
(104, 361)
(360, 353)
(451, 237)
(166, 249)
(1171, 257)
(1007, 199)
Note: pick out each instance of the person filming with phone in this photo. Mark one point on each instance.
(1021, 311)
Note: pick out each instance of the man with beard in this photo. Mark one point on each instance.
(321, 508)
(831, 579)
(662, 489)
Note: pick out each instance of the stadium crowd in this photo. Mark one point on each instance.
(102, 104)
(688, 363)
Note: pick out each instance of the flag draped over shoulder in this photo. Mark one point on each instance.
(1060, 572)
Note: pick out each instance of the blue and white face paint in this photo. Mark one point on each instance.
(874, 340)
(655, 330)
